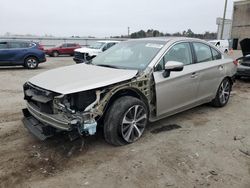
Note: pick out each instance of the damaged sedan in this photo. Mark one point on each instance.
(124, 88)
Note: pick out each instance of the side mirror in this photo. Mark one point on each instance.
(172, 66)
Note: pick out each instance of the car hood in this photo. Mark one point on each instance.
(87, 50)
(245, 46)
(80, 77)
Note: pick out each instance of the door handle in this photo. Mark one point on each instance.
(194, 75)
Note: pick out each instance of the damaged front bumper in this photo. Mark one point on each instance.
(44, 125)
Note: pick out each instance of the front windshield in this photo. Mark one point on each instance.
(97, 45)
(129, 55)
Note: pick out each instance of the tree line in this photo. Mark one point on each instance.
(156, 33)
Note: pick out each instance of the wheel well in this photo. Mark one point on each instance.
(126, 92)
(56, 51)
(29, 57)
(230, 79)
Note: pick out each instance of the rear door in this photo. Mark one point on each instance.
(178, 91)
(4, 52)
(210, 68)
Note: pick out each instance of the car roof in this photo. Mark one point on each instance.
(168, 39)
(106, 41)
(18, 41)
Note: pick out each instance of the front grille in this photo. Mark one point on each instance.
(79, 55)
(41, 98)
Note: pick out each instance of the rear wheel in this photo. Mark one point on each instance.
(125, 121)
(223, 93)
(31, 62)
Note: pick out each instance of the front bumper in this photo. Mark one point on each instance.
(57, 121)
(39, 130)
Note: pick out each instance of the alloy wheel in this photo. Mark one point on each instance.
(134, 123)
(31, 63)
(224, 92)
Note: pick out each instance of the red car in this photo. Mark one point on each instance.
(62, 49)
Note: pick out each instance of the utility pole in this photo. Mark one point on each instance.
(128, 31)
(223, 20)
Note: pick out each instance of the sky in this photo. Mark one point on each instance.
(104, 18)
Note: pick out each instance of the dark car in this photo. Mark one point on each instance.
(25, 53)
(243, 69)
(62, 49)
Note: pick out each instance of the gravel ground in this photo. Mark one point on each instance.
(202, 147)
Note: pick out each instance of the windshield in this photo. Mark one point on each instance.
(129, 55)
(97, 45)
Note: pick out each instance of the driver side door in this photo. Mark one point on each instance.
(178, 91)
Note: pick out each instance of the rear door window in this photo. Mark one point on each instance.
(203, 52)
(3, 45)
(18, 45)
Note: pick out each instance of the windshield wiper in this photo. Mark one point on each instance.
(109, 66)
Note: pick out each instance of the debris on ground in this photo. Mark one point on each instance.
(245, 152)
(238, 138)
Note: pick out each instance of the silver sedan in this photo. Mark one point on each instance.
(134, 82)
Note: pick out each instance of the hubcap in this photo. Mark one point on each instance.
(133, 123)
(224, 92)
(31, 63)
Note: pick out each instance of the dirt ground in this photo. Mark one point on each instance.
(202, 147)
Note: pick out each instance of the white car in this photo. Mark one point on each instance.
(222, 45)
(87, 53)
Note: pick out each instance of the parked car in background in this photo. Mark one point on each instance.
(25, 53)
(87, 53)
(62, 49)
(126, 86)
(223, 45)
(243, 69)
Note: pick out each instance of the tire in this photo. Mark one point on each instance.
(55, 53)
(223, 93)
(31, 63)
(121, 126)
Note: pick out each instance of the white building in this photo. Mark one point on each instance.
(227, 28)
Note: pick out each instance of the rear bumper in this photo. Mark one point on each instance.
(243, 71)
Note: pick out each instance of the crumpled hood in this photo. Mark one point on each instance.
(80, 77)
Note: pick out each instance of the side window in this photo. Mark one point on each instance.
(203, 52)
(180, 52)
(70, 45)
(3, 45)
(216, 54)
(111, 44)
(64, 45)
(15, 45)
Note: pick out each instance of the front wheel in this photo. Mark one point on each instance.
(55, 54)
(223, 93)
(31, 62)
(125, 121)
